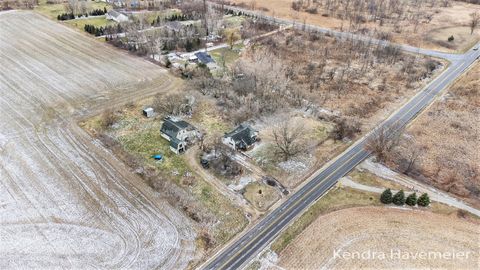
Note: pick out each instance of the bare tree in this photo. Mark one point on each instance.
(169, 104)
(287, 137)
(232, 36)
(382, 141)
(72, 6)
(412, 155)
(475, 19)
(344, 129)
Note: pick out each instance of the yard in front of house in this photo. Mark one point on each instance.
(139, 139)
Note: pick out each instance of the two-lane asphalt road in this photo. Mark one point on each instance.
(343, 35)
(240, 252)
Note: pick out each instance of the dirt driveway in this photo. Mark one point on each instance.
(64, 200)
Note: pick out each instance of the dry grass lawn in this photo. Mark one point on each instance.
(383, 230)
(445, 21)
(139, 138)
(260, 195)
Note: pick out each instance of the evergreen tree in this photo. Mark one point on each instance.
(386, 196)
(423, 200)
(411, 199)
(399, 198)
(104, 10)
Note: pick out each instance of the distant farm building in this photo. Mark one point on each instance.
(241, 138)
(116, 16)
(178, 133)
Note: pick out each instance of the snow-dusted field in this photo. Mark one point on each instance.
(65, 202)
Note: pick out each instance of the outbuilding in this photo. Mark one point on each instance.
(116, 16)
(148, 112)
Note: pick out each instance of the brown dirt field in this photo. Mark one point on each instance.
(448, 134)
(426, 35)
(65, 201)
(382, 230)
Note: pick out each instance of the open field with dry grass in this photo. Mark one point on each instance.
(64, 200)
(326, 87)
(446, 136)
(424, 25)
(383, 230)
(53, 10)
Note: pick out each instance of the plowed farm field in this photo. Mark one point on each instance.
(65, 201)
(384, 238)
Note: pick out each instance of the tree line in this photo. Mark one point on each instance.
(92, 29)
(399, 198)
(71, 15)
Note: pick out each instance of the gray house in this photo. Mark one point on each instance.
(242, 137)
(178, 133)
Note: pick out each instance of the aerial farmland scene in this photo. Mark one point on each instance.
(241, 134)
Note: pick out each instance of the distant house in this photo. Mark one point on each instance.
(178, 133)
(114, 15)
(242, 137)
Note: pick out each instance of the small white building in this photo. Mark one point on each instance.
(116, 16)
(148, 112)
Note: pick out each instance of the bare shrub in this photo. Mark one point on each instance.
(296, 5)
(344, 129)
(171, 104)
(312, 10)
(223, 164)
(108, 118)
(177, 196)
(207, 240)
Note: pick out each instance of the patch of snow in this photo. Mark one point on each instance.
(242, 183)
(295, 165)
(268, 260)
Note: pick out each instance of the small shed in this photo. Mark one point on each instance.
(148, 112)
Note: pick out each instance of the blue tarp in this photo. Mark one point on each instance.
(157, 157)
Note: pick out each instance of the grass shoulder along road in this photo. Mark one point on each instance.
(336, 199)
(341, 198)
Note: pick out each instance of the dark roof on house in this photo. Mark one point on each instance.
(174, 142)
(204, 57)
(243, 135)
(171, 127)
